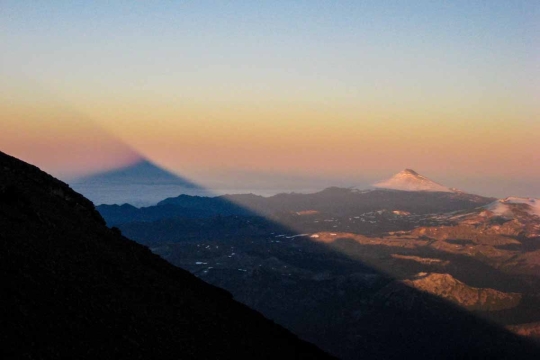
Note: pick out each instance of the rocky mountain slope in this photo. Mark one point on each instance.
(471, 298)
(73, 288)
(530, 329)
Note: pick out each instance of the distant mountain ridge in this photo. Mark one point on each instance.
(342, 201)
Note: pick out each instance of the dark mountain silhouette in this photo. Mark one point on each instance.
(73, 288)
(185, 206)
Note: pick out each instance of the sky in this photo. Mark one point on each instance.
(277, 94)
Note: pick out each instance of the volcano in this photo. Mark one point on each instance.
(410, 180)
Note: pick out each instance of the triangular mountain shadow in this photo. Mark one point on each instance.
(143, 172)
(141, 184)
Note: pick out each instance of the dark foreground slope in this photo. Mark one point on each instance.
(72, 288)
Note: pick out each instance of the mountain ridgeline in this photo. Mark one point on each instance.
(337, 201)
(73, 288)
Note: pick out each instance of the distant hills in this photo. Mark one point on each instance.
(74, 289)
(145, 184)
(339, 201)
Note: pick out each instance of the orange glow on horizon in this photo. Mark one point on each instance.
(344, 141)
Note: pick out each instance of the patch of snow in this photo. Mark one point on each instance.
(501, 208)
(295, 236)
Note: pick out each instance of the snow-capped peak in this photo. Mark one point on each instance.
(410, 180)
(503, 207)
